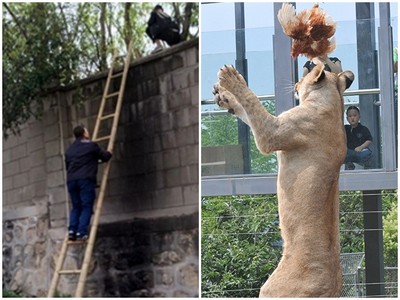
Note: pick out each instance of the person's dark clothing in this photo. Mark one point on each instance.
(83, 194)
(161, 27)
(81, 160)
(310, 65)
(357, 136)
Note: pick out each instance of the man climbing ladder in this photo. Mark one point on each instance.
(101, 117)
(81, 159)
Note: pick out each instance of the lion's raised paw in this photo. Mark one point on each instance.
(227, 100)
(230, 89)
(231, 79)
(222, 101)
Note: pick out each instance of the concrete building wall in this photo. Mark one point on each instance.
(153, 179)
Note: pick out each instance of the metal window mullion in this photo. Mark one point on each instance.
(386, 86)
(241, 66)
(284, 66)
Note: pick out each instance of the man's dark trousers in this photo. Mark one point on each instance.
(83, 194)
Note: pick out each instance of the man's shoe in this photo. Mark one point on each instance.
(157, 49)
(350, 166)
(71, 236)
(81, 238)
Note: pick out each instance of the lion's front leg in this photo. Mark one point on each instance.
(231, 92)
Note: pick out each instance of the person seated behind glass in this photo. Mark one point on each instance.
(358, 140)
(332, 64)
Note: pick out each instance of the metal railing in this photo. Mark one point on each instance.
(272, 97)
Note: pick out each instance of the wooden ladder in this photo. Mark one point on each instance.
(99, 203)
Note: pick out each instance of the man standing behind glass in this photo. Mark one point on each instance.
(81, 160)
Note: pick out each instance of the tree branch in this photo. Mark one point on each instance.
(23, 31)
(186, 21)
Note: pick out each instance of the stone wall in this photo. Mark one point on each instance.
(153, 178)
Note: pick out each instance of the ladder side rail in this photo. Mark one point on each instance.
(59, 265)
(104, 97)
(120, 98)
(103, 185)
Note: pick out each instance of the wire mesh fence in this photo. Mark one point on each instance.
(390, 283)
(351, 263)
(241, 243)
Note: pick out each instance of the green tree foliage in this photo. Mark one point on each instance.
(35, 57)
(390, 233)
(219, 130)
(351, 222)
(51, 44)
(240, 244)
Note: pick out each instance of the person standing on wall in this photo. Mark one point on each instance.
(81, 160)
(160, 27)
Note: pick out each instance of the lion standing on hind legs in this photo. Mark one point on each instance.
(311, 145)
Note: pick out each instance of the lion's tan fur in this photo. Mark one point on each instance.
(311, 145)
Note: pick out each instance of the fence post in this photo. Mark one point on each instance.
(373, 239)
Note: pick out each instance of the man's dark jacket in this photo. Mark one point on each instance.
(81, 159)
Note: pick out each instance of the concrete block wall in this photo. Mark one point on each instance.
(159, 139)
(154, 171)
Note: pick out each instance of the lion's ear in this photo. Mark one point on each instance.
(345, 79)
(319, 73)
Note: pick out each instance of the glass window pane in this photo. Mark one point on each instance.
(357, 44)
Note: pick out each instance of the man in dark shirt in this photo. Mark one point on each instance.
(81, 160)
(358, 140)
(332, 64)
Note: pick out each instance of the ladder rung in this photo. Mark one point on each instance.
(102, 138)
(119, 74)
(107, 116)
(71, 242)
(121, 56)
(66, 272)
(112, 95)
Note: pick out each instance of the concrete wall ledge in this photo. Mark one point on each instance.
(24, 212)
